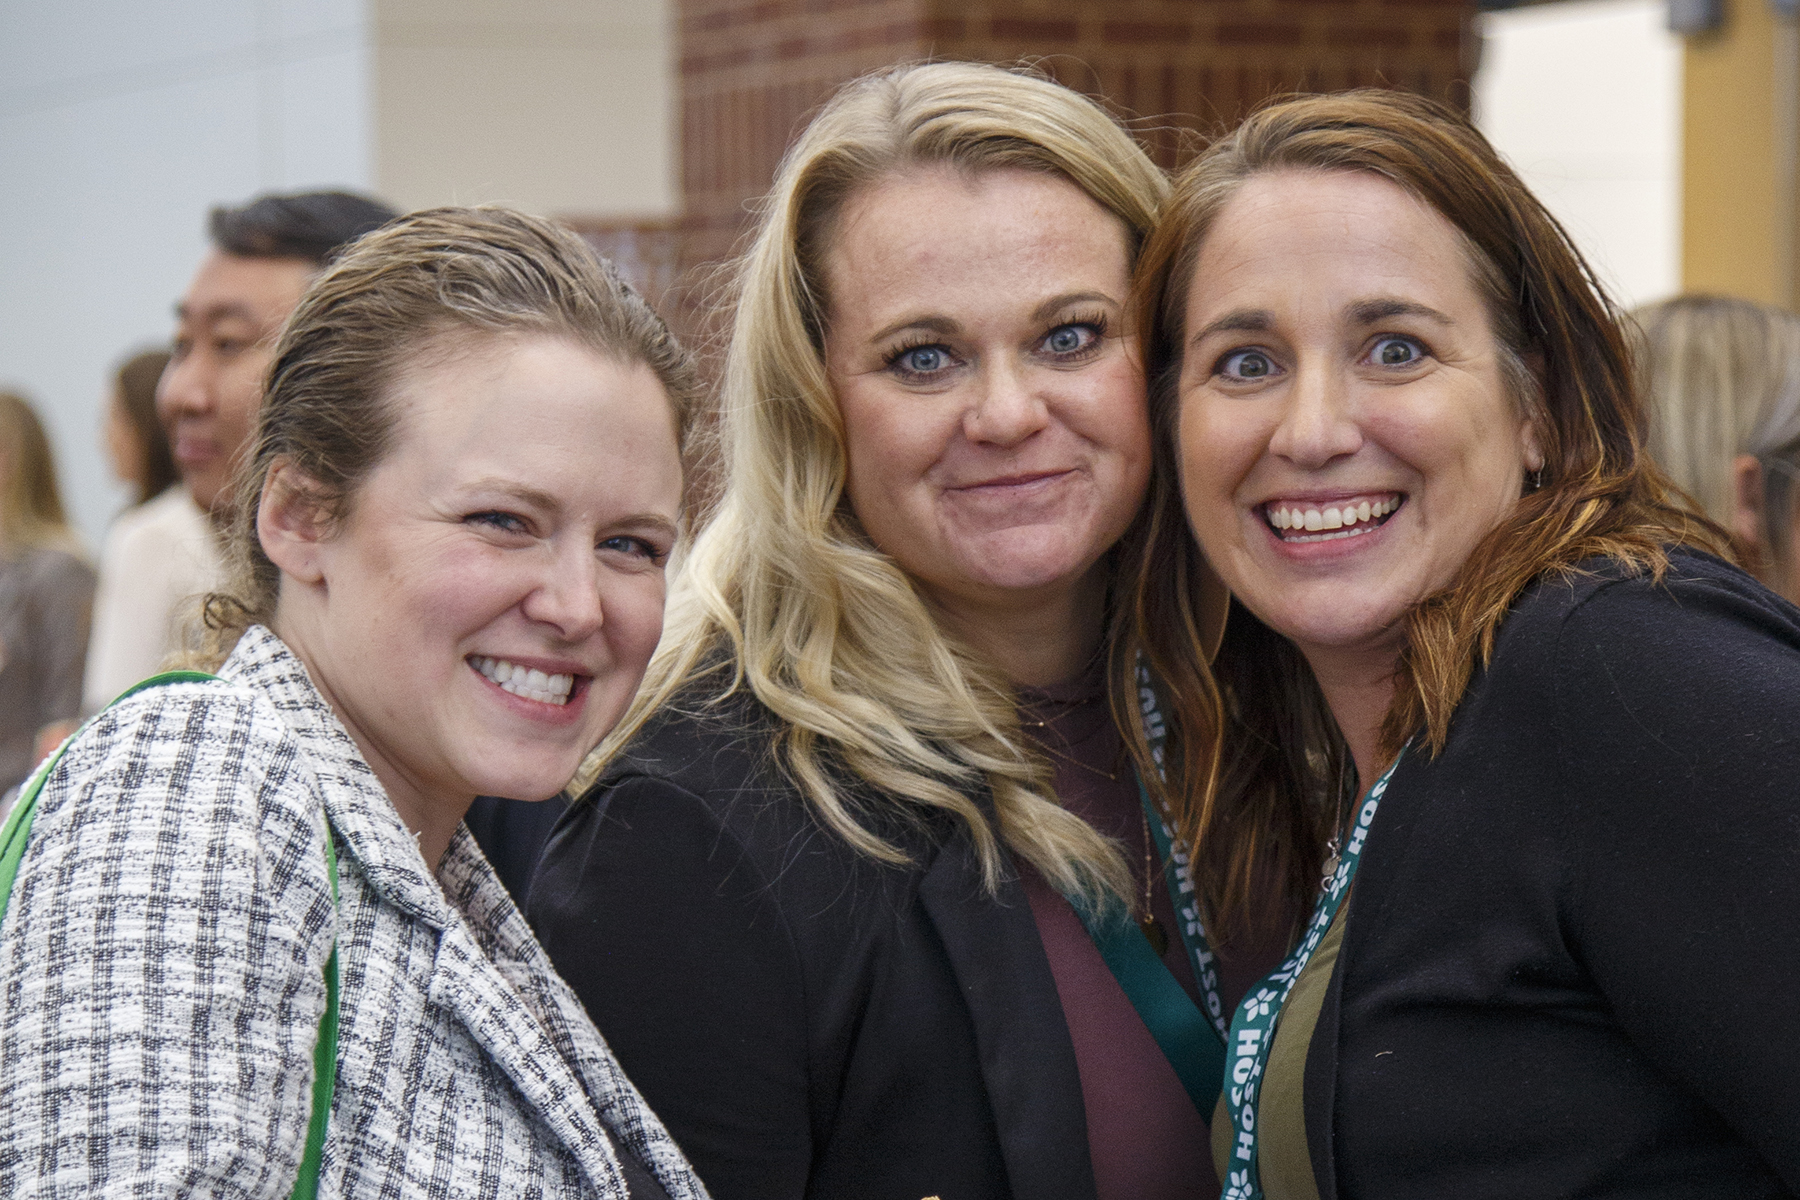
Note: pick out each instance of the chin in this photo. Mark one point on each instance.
(1025, 564)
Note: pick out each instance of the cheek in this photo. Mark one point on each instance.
(634, 610)
(891, 443)
(1216, 447)
(1113, 412)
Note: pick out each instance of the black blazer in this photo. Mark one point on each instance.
(809, 1022)
(1572, 963)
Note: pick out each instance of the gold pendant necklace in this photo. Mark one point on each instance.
(1153, 930)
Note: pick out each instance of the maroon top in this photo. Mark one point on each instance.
(1145, 1137)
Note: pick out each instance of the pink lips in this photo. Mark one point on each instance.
(1009, 481)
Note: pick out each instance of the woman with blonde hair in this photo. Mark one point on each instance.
(46, 594)
(1722, 377)
(1552, 952)
(248, 947)
(867, 894)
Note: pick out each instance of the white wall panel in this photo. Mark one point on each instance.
(1584, 98)
(121, 124)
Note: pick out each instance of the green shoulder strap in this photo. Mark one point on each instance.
(17, 830)
(1186, 1038)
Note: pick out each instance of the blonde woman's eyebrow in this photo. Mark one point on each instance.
(932, 324)
(1057, 304)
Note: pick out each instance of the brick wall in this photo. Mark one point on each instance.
(752, 71)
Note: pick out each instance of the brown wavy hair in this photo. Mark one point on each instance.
(1253, 745)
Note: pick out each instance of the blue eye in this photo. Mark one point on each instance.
(503, 521)
(1069, 339)
(635, 547)
(1247, 364)
(1397, 352)
(923, 360)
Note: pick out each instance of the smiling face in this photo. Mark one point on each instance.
(224, 343)
(1346, 433)
(993, 404)
(485, 611)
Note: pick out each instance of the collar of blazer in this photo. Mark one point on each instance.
(1027, 1059)
(490, 972)
(384, 850)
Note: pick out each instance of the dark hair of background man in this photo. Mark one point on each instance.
(313, 226)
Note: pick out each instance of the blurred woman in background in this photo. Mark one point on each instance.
(1722, 377)
(137, 445)
(46, 594)
(160, 556)
(874, 895)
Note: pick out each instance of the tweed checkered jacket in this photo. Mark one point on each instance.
(161, 977)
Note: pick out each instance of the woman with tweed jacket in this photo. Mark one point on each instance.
(450, 542)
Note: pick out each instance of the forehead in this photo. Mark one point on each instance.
(946, 226)
(485, 395)
(1348, 228)
(257, 289)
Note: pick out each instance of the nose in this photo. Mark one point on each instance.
(567, 595)
(185, 387)
(1318, 424)
(1006, 410)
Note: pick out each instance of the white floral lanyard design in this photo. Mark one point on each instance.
(1253, 1028)
(1181, 883)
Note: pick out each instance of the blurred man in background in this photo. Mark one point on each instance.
(263, 256)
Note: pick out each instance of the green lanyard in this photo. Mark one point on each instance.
(17, 831)
(1253, 1028)
(1191, 1040)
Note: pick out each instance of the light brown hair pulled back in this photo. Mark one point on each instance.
(408, 289)
(1253, 738)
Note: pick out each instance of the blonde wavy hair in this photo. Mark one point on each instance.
(1722, 377)
(783, 592)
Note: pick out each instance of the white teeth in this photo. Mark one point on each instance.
(524, 681)
(1326, 522)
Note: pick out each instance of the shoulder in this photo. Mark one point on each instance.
(1631, 672)
(187, 747)
(721, 756)
(703, 743)
(53, 570)
(1699, 603)
(171, 525)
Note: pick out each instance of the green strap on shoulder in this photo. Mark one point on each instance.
(1183, 1033)
(17, 830)
(306, 1185)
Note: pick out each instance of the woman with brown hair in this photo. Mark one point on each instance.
(46, 594)
(447, 578)
(1404, 428)
(160, 556)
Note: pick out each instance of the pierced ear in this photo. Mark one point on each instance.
(291, 523)
(1534, 453)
